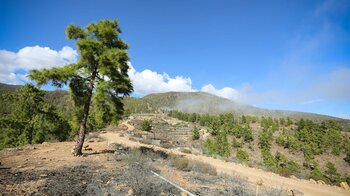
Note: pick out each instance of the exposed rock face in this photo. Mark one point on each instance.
(320, 182)
(344, 185)
(313, 181)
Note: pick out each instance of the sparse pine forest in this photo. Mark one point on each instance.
(233, 136)
(30, 116)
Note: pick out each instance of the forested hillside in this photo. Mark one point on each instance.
(287, 145)
(191, 102)
(59, 104)
(303, 148)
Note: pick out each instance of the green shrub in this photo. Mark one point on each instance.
(347, 158)
(236, 143)
(310, 164)
(268, 159)
(331, 173)
(146, 126)
(285, 166)
(279, 163)
(316, 174)
(195, 133)
(347, 179)
(242, 155)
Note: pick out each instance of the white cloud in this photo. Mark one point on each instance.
(226, 92)
(14, 65)
(32, 57)
(12, 78)
(148, 81)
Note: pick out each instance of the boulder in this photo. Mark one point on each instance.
(344, 185)
(183, 194)
(123, 127)
(320, 182)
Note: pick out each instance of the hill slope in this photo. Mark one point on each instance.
(198, 102)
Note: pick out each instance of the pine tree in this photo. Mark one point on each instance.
(100, 76)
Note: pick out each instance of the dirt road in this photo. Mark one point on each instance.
(252, 174)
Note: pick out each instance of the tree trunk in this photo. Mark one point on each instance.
(80, 141)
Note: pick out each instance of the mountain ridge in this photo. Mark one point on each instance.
(192, 102)
(240, 106)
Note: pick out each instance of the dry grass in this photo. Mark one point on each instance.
(185, 164)
(187, 151)
(180, 163)
(203, 168)
(138, 173)
(166, 145)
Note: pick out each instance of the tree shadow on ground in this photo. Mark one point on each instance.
(105, 151)
(85, 179)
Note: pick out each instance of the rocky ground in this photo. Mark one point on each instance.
(105, 169)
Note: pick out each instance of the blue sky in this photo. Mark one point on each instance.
(292, 55)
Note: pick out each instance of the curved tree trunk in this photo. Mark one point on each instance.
(80, 141)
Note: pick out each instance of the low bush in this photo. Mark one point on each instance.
(316, 174)
(202, 168)
(236, 186)
(185, 164)
(242, 155)
(279, 163)
(138, 173)
(236, 143)
(146, 126)
(180, 163)
(331, 174)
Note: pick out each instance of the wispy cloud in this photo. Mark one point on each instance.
(334, 85)
(226, 92)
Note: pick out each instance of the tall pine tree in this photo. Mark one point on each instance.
(99, 77)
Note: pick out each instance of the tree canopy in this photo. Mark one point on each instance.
(31, 119)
